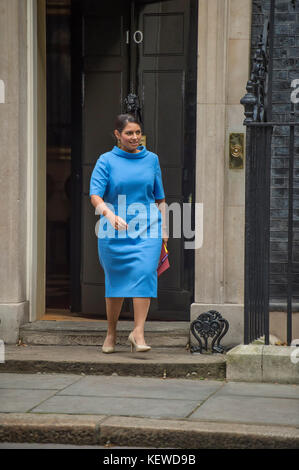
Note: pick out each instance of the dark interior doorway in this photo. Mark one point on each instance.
(58, 30)
(94, 60)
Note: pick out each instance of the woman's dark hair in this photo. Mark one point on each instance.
(123, 119)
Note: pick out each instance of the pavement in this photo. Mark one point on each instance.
(114, 410)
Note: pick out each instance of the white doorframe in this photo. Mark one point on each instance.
(36, 158)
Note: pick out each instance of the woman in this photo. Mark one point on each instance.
(127, 175)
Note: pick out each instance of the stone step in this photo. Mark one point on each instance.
(89, 360)
(85, 333)
(132, 432)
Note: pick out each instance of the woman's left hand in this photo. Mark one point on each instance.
(164, 236)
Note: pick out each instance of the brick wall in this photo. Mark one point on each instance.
(285, 69)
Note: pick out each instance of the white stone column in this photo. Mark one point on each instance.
(17, 209)
(223, 69)
(13, 173)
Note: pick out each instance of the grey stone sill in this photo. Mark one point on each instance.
(263, 363)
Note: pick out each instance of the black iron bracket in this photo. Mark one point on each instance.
(210, 324)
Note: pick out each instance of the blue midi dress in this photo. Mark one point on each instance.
(129, 184)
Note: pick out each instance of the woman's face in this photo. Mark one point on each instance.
(130, 137)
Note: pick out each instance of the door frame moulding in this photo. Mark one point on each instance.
(36, 160)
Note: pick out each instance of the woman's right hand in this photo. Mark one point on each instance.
(117, 222)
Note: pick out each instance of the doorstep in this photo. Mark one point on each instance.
(158, 362)
(83, 333)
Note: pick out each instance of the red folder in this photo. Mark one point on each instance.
(163, 261)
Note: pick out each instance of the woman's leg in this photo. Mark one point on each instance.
(113, 308)
(141, 307)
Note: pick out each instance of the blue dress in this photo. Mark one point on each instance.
(129, 183)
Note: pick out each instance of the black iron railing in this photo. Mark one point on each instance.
(260, 126)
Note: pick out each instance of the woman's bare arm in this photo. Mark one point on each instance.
(161, 204)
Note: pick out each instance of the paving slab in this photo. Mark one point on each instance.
(145, 407)
(124, 387)
(37, 381)
(246, 409)
(17, 400)
(259, 390)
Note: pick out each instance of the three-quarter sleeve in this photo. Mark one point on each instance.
(99, 178)
(158, 185)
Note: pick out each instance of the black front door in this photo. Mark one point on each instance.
(146, 48)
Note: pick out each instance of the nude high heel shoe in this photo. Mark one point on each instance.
(108, 349)
(137, 347)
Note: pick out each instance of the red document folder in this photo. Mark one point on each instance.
(163, 261)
